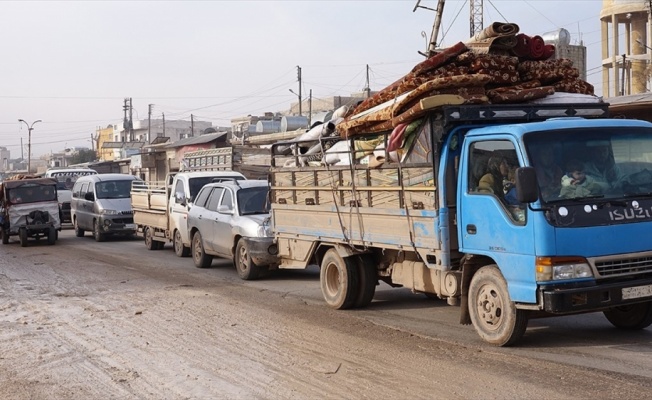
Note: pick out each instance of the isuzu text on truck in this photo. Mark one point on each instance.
(443, 221)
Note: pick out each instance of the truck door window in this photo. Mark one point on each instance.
(492, 165)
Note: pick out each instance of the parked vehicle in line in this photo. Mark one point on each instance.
(29, 209)
(101, 204)
(66, 178)
(223, 215)
(161, 208)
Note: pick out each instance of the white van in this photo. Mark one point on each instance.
(66, 178)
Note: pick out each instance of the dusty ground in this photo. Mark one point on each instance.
(76, 324)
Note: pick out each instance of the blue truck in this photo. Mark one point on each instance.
(484, 206)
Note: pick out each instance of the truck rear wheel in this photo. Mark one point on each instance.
(246, 268)
(179, 249)
(631, 316)
(150, 243)
(492, 312)
(339, 280)
(5, 236)
(22, 234)
(199, 256)
(368, 280)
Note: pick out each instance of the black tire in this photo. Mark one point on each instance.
(179, 249)
(159, 245)
(22, 234)
(339, 280)
(631, 316)
(52, 236)
(199, 256)
(368, 280)
(492, 312)
(78, 231)
(246, 268)
(97, 232)
(5, 236)
(150, 243)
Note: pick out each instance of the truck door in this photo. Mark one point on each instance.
(178, 209)
(491, 222)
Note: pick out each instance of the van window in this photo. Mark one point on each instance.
(83, 190)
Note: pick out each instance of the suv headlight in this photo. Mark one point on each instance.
(265, 230)
(109, 212)
(562, 268)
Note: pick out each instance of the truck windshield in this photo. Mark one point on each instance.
(253, 200)
(32, 194)
(581, 164)
(113, 189)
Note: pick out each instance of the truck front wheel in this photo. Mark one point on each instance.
(630, 317)
(179, 249)
(493, 314)
(339, 280)
(5, 236)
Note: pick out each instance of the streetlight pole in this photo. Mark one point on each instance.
(29, 142)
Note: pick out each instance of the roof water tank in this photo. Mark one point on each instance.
(267, 126)
(558, 37)
(293, 122)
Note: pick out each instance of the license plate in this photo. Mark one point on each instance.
(637, 291)
(130, 226)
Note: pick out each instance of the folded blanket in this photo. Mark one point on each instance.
(521, 95)
(551, 75)
(574, 85)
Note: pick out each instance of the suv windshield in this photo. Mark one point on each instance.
(581, 164)
(253, 200)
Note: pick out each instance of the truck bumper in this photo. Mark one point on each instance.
(263, 251)
(594, 298)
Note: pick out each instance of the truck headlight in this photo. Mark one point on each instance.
(562, 268)
(109, 212)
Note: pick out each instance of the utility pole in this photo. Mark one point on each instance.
(131, 121)
(149, 123)
(22, 157)
(310, 108)
(125, 121)
(622, 83)
(299, 76)
(366, 89)
(432, 45)
(192, 126)
(163, 123)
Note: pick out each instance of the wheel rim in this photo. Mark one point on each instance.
(243, 258)
(332, 279)
(490, 307)
(198, 250)
(148, 237)
(177, 242)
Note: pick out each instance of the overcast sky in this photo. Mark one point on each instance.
(71, 63)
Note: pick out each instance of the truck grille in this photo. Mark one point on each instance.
(126, 212)
(624, 266)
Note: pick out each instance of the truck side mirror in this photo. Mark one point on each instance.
(224, 209)
(527, 188)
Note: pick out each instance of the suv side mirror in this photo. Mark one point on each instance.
(224, 209)
(90, 196)
(527, 187)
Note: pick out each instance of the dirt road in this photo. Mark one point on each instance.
(76, 323)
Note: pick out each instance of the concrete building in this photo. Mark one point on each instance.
(104, 135)
(5, 158)
(626, 46)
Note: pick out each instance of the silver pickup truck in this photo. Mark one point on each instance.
(226, 219)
